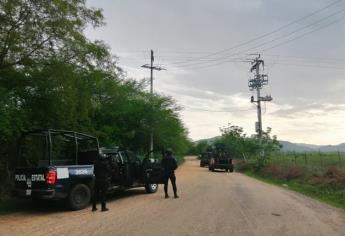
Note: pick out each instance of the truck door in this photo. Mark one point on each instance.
(153, 171)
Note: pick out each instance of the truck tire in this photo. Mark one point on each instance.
(79, 197)
(151, 188)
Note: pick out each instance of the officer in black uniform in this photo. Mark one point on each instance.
(169, 165)
(102, 172)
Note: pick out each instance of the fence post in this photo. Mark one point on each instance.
(321, 163)
(305, 160)
(295, 156)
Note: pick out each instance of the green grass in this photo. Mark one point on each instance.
(335, 198)
(314, 160)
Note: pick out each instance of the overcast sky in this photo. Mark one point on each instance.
(304, 59)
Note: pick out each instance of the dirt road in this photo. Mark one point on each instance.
(211, 203)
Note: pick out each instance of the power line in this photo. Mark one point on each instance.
(314, 66)
(217, 111)
(310, 58)
(224, 58)
(266, 49)
(264, 35)
(302, 35)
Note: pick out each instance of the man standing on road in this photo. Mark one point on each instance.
(102, 172)
(170, 165)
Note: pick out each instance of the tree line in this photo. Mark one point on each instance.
(53, 76)
(241, 146)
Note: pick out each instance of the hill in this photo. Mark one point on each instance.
(295, 147)
(303, 147)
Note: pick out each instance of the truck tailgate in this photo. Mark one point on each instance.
(27, 179)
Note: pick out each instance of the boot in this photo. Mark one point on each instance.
(175, 195)
(104, 208)
(166, 195)
(94, 208)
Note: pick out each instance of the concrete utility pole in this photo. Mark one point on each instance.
(151, 67)
(257, 83)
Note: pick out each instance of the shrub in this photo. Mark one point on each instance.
(281, 172)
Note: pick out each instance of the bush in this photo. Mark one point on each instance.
(281, 172)
(242, 166)
(333, 178)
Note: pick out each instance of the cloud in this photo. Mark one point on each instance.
(308, 94)
(308, 110)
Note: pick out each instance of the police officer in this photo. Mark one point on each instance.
(169, 165)
(102, 172)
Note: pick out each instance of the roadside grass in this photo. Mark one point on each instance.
(310, 160)
(327, 187)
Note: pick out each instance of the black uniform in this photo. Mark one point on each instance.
(103, 175)
(170, 165)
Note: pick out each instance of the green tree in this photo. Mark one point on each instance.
(52, 76)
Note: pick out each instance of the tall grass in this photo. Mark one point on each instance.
(313, 161)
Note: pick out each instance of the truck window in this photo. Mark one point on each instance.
(33, 151)
(132, 157)
(87, 151)
(63, 149)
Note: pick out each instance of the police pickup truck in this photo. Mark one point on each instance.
(59, 164)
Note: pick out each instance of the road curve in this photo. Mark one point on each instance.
(211, 203)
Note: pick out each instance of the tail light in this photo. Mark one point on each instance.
(230, 161)
(51, 177)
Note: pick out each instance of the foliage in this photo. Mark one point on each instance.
(199, 147)
(255, 151)
(239, 145)
(52, 76)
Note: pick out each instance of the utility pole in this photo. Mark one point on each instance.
(151, 67)
(257, 84)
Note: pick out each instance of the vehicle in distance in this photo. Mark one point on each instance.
(221, 159)
(59, 164)
(205, 158)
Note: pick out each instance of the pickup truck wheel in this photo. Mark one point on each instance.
(79, 197)
(151, 188)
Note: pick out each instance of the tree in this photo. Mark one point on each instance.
(52, 76)
(238, 144)
(33, 30)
